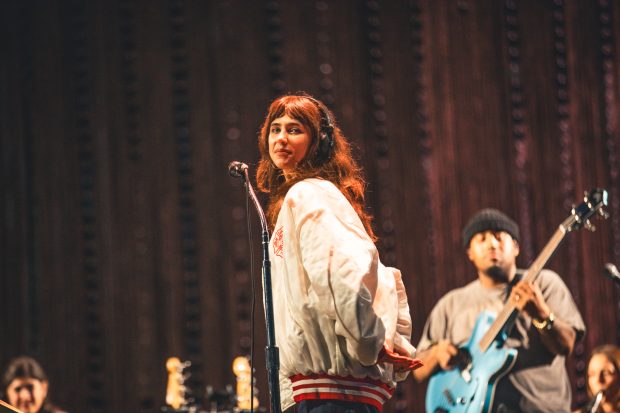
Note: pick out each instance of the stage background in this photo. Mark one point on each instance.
(124, 241)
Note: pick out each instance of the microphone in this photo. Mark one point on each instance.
(237, 169)
(593, 405)
(610, 271)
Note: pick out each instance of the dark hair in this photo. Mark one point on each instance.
(339, 168)
(24, 367)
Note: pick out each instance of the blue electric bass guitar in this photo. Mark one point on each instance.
(470, 387)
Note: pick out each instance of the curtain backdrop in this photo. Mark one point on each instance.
(124, 241)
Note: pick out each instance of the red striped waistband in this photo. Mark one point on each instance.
(325, 386)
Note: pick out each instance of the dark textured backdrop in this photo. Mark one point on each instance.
(124, 241)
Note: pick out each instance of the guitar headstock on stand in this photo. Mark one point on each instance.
(245, 402)
(177, 393)
(243, 399)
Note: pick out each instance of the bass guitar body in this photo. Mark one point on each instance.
(470, 386)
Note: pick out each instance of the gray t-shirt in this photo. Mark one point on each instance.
(538, 382)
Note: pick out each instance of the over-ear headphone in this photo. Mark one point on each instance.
(326, 131)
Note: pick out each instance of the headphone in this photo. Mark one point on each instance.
(326, 131)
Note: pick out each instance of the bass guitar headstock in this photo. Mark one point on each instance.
(593, 203)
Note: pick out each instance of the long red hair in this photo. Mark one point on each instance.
(339, 168)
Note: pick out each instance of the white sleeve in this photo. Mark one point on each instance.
(342, 264)
(402, 336)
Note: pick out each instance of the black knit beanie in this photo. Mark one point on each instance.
(489, 219)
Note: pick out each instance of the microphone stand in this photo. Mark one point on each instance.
(271, 350)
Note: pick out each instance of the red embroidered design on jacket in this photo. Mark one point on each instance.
(278, 243)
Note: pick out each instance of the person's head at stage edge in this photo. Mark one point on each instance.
(491, 240)
(604, 376)
(25, 385)
(299, 139)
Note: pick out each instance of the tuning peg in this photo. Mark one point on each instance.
(588, 225)
(603, 213)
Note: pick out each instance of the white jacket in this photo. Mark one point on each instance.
(335, 304)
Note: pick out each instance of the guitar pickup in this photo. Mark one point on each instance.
(449, 397)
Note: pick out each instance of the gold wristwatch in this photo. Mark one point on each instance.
(544, 325)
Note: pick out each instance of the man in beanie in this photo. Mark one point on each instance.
(545, 331)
